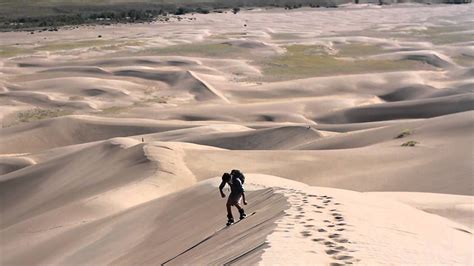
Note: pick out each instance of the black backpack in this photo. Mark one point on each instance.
(237, 174)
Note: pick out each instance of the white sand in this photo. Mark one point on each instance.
(110, 151)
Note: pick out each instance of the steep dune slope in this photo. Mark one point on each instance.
(111, 169)
(162, 230)
(291, 220)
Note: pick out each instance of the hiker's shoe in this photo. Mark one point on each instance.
(230, 221)
(242, 214)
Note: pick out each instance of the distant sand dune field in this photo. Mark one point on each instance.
(354, 127)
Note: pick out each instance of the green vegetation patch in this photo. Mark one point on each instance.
(359, 49)
(40, 114)
(12, 51)
(228, 35)
(451, 38)
(441, 30)
(302, 61)
(156, 99)
(464, 60)
(55, 46)
(404, 133)
(284, 36)
(212, 50)
(115, 110)
(444, 34)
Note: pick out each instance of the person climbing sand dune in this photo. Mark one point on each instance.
(235, 182)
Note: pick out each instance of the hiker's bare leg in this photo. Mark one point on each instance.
(238, 206)
(229, 210)
(241, 211)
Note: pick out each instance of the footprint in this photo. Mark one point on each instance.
(306, 233)
(340, 229)
(331, 225)
(339, 218)
(318, 239)
(312, 196)
(326, 221)
(308, 225)
(342, 240)
(331, 251)
(342, 257)
(318, 211)
(341, 248)
(341, 224)
(328, 243)
(321, 230)
(334, 236)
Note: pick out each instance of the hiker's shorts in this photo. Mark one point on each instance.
(234, 198)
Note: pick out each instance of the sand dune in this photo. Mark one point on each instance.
(336, 228)
(262, 139)
(66, 182)
(10, 164)
(349, 161)
(454, 207)
(46, 101)
(429, 57)
(70, 130)
(424, 108)
(355, 138)
(448, 128)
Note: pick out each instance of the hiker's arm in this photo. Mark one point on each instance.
(243, 198)
(221, 187)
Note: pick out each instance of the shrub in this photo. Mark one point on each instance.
(39, 114)
(404, 133)
(180, 11)
(202, 10)
(410, 143)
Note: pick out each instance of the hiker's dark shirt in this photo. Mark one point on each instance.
(235, 188)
